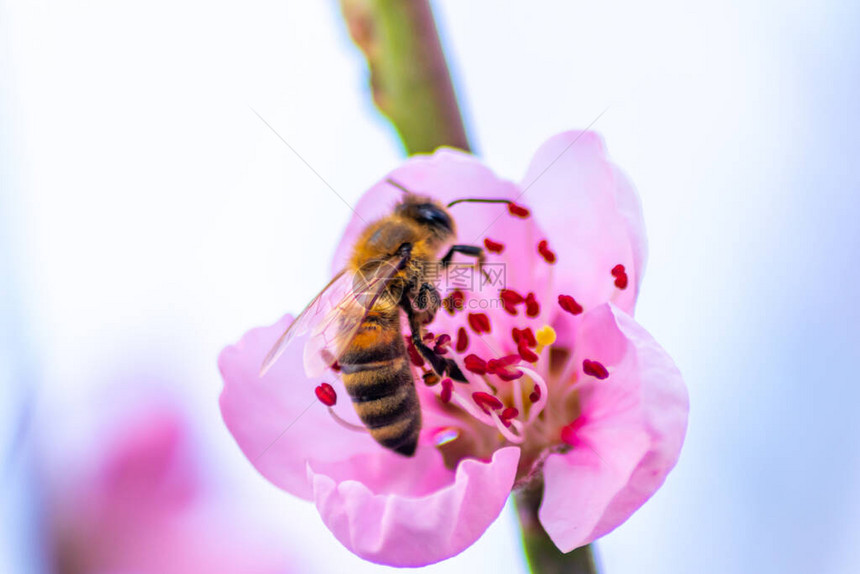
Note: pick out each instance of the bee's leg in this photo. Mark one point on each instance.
(471, 250)
(440, 364)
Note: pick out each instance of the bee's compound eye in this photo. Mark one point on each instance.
(433, 215)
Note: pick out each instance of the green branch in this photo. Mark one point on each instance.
(408, 74)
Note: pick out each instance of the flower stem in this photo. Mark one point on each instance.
(408, 74)
(542, 554)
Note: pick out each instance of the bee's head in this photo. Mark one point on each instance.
(427, 213)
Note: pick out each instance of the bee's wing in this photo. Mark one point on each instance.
(333, 317)
(316, 310)
(332, 336)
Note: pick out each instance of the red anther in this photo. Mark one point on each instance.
(535, 394)
(428, 336)
(547, 253)
(511, 296)
(620, 275)
(335, 367)
(515, 335)
(508, 414)
(476, 364)
(479, 322)
(447, 389)
(569, 304)
(486, 400)
(462, 340)
(454, 302)
(458, 297)
(430, 378)
(325, 393)
(532, 306)
(510, 299)
(526, 335)
(501, 367)
(414, 355)
(509, 374)
(569, 432)
(526, 353)
(442, 342)
(594, 369)
(493, 246)
(518, 210)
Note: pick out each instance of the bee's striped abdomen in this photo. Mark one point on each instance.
(379, 380)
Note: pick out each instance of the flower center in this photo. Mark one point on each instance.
(506, 395)
(519, 398)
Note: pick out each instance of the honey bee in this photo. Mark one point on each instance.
(355, 321)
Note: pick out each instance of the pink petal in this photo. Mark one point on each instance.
(277, 420)
(592, 216)
(635, 425)
(396, 523)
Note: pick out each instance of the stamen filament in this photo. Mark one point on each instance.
(518, 395)
(346, 424)
(467, 405)
(512, 429)
(478, 200)
(506, 432)
(538, 381)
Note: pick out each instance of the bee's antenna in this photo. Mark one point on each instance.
(477, 200)
(399, 186)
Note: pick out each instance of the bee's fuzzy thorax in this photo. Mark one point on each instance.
(418, 220)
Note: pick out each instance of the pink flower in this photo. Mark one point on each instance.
(563, 385)
(142, 507)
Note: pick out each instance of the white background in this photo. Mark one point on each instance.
(151, 218)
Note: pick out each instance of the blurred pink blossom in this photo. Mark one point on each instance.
(144, 508)
(564, 385)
